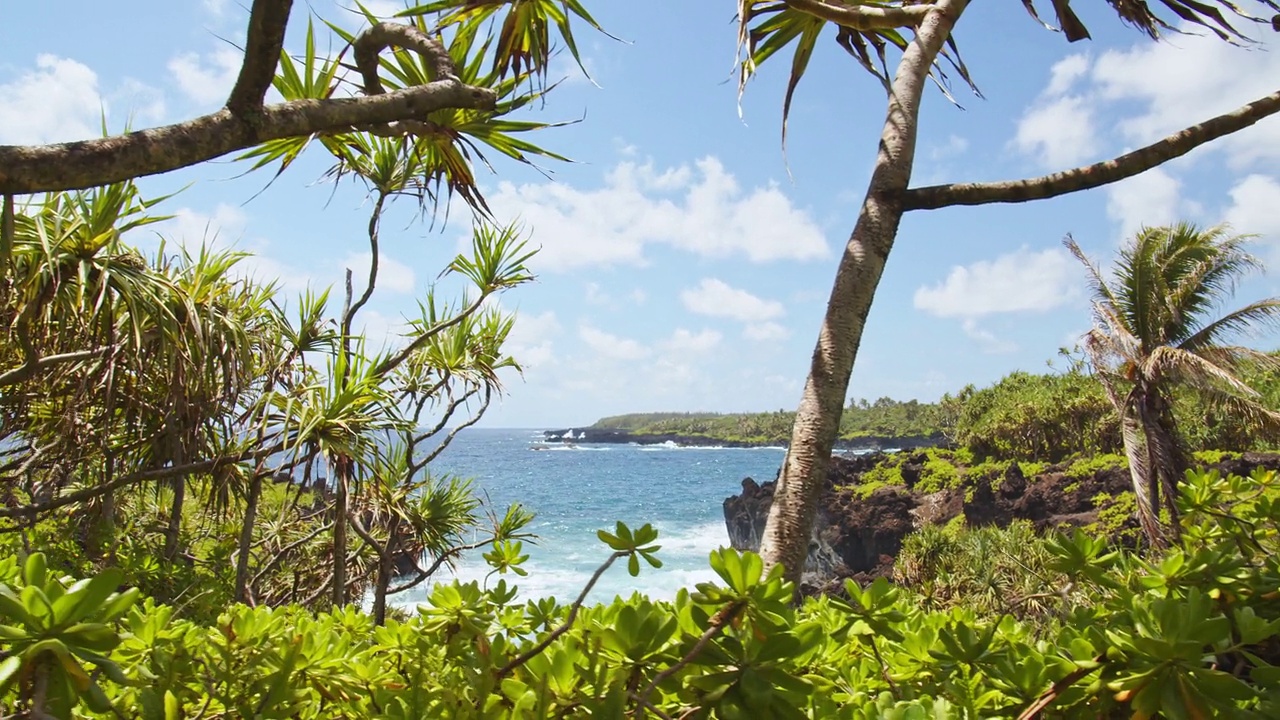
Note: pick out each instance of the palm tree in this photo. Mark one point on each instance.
(1154, 329)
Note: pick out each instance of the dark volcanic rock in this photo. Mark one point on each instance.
(859, 537)
(597, 436)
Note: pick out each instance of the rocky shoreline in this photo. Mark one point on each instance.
(860, 537)
(871, 443)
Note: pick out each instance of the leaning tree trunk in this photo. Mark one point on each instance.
(1168, 460)
(786, 534)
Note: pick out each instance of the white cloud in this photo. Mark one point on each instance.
(1064, 73)
(393, 275)
(954, 145)
(991, 344)
(146, 104)
(1255, 208)
(1190, 78)
(765, 332)
(611, 346)
(1023, 281)
(206, 79)
(216, 7)
(684, 342)
(699, 209)
(594, 295)
(381, 332)
(1152, 198)
(56, 102)
(531, 339)
(1058, 132)
(224, 229)
(716, 298)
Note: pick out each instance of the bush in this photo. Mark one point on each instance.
(1194, 632)
(1035, 417)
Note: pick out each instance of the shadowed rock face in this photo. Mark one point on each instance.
(860, 537)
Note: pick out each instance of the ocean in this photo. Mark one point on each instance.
(576, 490)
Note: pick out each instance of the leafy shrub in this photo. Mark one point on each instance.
(939, 472)
(1090, 466)
(1213, 457)
(1192, 632)
(1034, 417)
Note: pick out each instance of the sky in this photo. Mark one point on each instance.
(685, 261)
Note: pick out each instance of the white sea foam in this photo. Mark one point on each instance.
(685, 564)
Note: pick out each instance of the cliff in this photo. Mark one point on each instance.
(859, 537)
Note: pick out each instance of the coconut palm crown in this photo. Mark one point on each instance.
(1156, 327)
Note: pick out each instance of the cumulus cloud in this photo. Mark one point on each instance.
(393, 275)
(715, 298)
(206, 79)
(1023, 281)
(611, 346)
(61, 100)
(531, 341)
(685, 342)
(1152, 198)
(1058, 132)
(1254, 203)
(224, 229)
(1190, 78)
(700, 209)
(1066, 72)
(765, 332)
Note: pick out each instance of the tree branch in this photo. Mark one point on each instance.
(488, 395)
(29, 368)
(83, 164)
(134, 478)
(393, 361)
(262, 47)
(423, 574)
(533, 652)
(862, 17)
(1098, 174)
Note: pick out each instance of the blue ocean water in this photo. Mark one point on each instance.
(578, 490)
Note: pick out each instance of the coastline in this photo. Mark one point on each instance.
(593, 436)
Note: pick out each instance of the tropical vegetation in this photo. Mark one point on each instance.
(203, 478)
(1154, 329)
(1064, 627)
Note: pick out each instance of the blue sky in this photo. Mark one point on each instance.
(682, 268)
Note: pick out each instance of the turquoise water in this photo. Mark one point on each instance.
(576, 491)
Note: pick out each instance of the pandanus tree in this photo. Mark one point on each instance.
(446, 97)
(208, 379)
(1156, 328)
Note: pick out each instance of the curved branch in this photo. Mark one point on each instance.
(1098, 174)
(262, 47)
(83, 164)
(373, 41)
(862, 17)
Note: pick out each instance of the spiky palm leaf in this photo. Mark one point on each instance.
(1153, 330)
(766, 27)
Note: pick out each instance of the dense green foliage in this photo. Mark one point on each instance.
(1045, 417)
(1193, 633)
(884, 418)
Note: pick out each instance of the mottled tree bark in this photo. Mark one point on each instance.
(786, 535)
